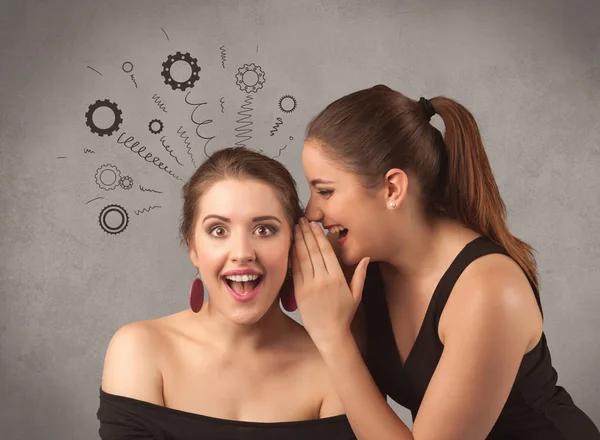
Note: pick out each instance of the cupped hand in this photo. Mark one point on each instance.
(325, 301)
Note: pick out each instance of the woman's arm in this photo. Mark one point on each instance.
(483, 348)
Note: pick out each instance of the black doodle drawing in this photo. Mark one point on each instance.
(223, 56)
(89, 118)
(61, 157)
(278, 123)
(281, 149)
(94, 70)
(88, 151)
(132, 145)
(165, 32)
(243, 130)
(121, 225)
(194, 76)
(149, 190)
(155, 126)
(287, 104)
(161, 105)
(186, 139)
(128, 68)
(169, 150)
(107, 177)
(199, 124)
(250, 78)
(222, 101)
(148, 209)
(97, 198)
(126, 182)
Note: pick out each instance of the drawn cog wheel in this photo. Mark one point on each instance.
(194, 76)
(287, 103)
(126, 182)
(108, 177)
(241, 78)
(110, 229)
(153, 123)
(89, 117)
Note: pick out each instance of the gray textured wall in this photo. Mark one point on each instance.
(529, 71)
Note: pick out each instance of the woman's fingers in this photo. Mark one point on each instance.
(330, 259)
(313, 248)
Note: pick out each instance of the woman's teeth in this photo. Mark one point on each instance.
(242, 278)
(336, 229)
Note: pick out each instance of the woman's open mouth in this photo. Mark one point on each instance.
(341, 231)
(243, 287)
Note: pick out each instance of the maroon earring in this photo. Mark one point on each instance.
(287, 297)
(197, 293)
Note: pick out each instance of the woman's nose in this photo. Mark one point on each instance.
(312, 212)
(242, 250)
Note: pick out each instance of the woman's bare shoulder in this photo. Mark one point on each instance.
(131, 362)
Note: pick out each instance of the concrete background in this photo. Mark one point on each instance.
(528, 70)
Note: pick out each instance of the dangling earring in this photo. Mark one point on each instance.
(287, 297)
(197, 293)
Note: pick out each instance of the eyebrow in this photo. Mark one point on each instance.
(320, 181)
(261, 218)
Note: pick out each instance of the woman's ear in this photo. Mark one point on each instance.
(396, 187)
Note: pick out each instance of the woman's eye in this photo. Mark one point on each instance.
(324, 192)
(264, 231)
(218, 231)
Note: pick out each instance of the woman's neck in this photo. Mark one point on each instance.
(229, 336)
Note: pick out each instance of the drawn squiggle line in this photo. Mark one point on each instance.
(223, 56)
(279, 152)
(87, 150)
(160, 104)
(278, 123)
(134, 81)
(93, 200)
(148, 209)
(169, 149)
(186, 140)
(139, 150)
(242, 130)
(149, 190)
(222, 101)
(199, 124)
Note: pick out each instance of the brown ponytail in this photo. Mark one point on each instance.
(471, 194)
(373, 130)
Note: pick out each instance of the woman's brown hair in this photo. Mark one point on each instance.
(237, 163)
(371, 131)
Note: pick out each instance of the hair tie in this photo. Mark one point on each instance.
(427, 107)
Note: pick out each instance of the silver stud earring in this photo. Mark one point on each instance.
(392, 205)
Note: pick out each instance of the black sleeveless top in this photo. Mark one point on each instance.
(124, 418)
(536, 409)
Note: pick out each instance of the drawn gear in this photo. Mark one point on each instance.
(108, 169)
(287, 110)
(160, 126)
(192, 62)
(126, 182)
(250, 88)
(89, 117)
(110, 229)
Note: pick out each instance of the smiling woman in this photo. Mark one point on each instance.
(239, 367)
